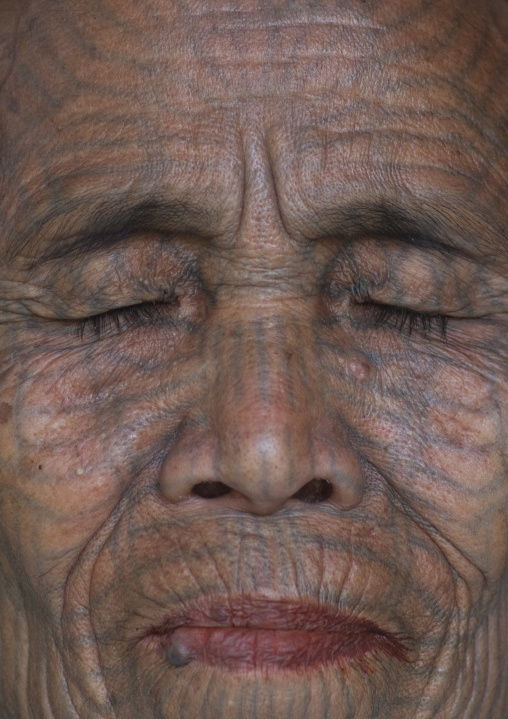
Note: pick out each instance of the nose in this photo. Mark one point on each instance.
(266, 440)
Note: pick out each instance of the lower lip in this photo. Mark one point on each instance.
(289, 650)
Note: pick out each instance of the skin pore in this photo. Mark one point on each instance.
(254, 354)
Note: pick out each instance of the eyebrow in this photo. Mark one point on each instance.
(452, 228)
(82, 230)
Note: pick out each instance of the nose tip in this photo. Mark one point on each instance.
(276, 462)
(261, 474)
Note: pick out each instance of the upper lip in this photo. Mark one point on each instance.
(257, 613)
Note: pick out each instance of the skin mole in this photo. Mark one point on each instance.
(254, 359)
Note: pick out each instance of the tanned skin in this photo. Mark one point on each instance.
(306, 201)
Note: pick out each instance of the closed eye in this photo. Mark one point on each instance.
(407, 321)
(123, 318)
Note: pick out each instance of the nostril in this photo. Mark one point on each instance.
(211, 490)
(315, 491)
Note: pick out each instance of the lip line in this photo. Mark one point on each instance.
(279, 635)
(265, 614)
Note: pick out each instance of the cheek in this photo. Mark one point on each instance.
(435, 430)
(73, 442)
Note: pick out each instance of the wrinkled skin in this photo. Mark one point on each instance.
(267, 177)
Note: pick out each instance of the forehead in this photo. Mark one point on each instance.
(208, 53)
(345, 95)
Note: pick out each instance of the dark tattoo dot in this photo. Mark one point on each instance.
(39, 466)
(13, 105)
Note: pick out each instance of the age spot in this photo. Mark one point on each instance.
(5, 412)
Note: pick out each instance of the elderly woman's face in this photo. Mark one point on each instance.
(254, 360)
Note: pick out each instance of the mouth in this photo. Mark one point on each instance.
(249, 633)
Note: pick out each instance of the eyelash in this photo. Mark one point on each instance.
(120, 318)
(408, 321)
(400, 318)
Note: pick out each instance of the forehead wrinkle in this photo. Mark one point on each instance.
(257, 14)
(423, 40)
(205, 46)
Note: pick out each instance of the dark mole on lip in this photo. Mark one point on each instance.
(177, 657)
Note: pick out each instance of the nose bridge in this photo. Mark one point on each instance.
(263, 438)
(266, 401)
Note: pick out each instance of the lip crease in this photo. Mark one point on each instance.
(246, 633)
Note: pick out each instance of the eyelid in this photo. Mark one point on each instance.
(132, 315)
(399, 317)
(410, 320)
